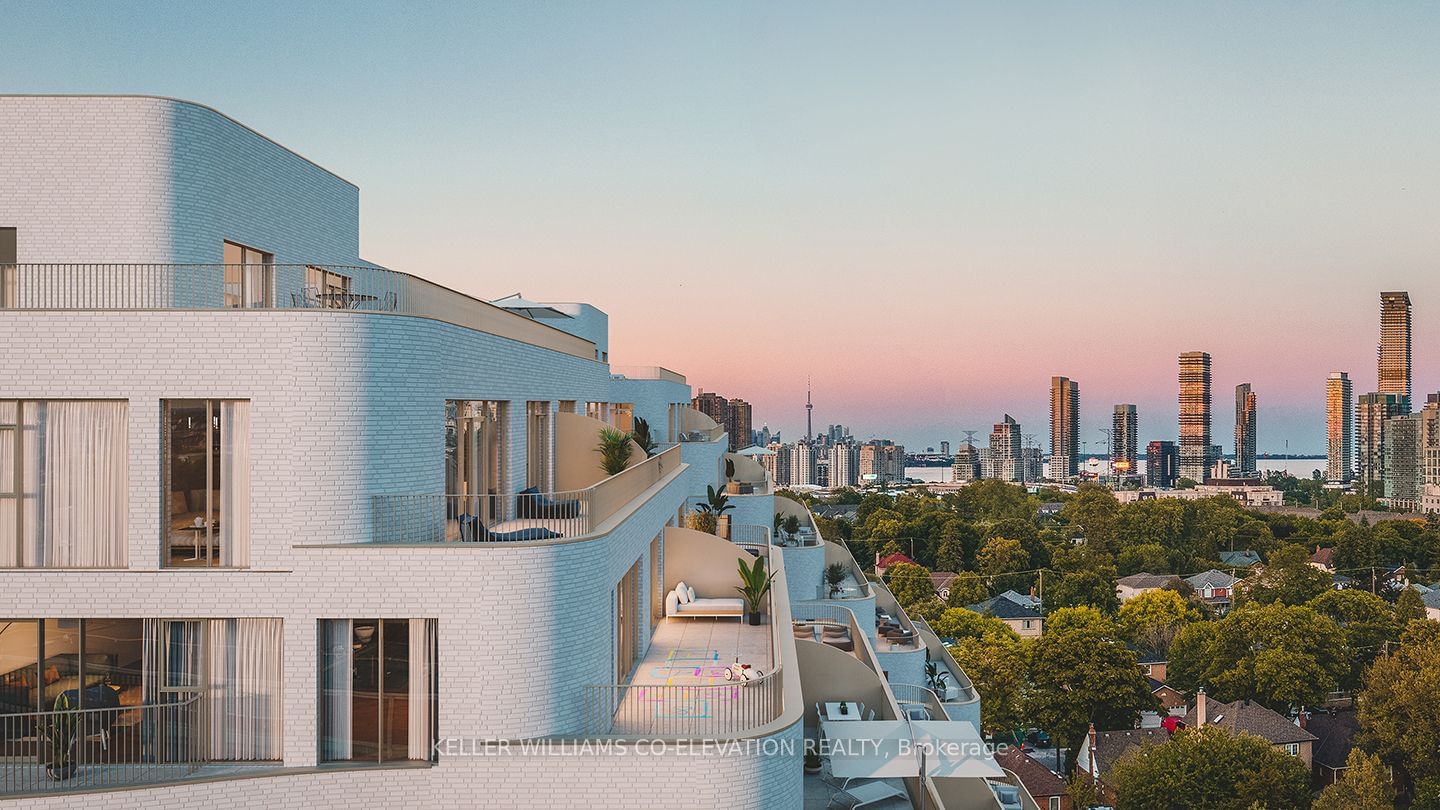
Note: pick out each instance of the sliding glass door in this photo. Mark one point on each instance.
(249, 277)
(475, 459)
(207, 483)
(379, 682)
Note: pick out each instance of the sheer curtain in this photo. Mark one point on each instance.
(235, 482)
(244, 688)
(422, 687)
(85, 460)
(336, 689)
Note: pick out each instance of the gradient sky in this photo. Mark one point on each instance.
(928, 209)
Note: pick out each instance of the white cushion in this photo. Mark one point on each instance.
(693, 597)
(683, 591)
(672, 604)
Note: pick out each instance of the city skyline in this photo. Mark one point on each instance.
(1161, 172)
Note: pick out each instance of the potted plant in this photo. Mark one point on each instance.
(792, 526)
(754, 585)
(812, 761)
(779, 522)
(835, 574)
(615, 449)
(732, 486)
(60, 731)
(642, 437)
(719, 503)
(702, 520)
(937, 678)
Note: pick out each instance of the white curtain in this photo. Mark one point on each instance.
(84, 458)
(244, 688)
(422, 692)
(336, 690)
(235, 483)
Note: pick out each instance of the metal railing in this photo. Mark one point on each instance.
(268, 286)
(837, 614)
(938, 652)
(751, 536)
(916, 695)
(683, 711)
(403, 519)
(81, 749)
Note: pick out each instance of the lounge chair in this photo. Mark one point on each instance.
(531, 503)
(693, 605)
(473, 531)
(864, 795)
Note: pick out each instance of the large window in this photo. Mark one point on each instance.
(379, 684)
(327, 288)
(627, 622)
(63, 483)
(153, 690)
(8, 271)
(539, 437)
(207, 483)
(475, 457)
(249, 277)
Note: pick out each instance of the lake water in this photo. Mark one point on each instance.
(1298, 467)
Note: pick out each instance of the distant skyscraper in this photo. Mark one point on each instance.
(894, 462)
(802, 464)
(1032, 464)
(1403, 470)
(1006, 461)
(1162, 464)
(967, 463)
(1430, 441)
(944, 448)
(1064, 428)
(1371, 415)
(809, 407)
(1244, 430)
(739, 426)
(844, 465)
(1124, 440)
(1339, 428)
(778, 463)
(1394, 353)
(1195, 448)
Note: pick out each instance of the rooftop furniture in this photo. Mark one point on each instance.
(473, 531)
(853, 710)
(865, 794)
(531, 503)
(684, 602)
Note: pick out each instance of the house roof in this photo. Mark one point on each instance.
(1002, 607)
(1431, 599)
(1323, 556)
(1110, 746)
(1213, 578)
(893, 559)
(1022, 599)
(835, 510)
(1240, 559)
(1248, 717)
(1335, 733)
(1038, 779)
(941, 579)
(1144, 580)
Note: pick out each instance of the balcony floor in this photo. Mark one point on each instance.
(696, 651)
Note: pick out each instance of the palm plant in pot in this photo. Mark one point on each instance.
(754, 585)
(791, 525)
(835, 574)
(615, 450)
(936, 678)
(642, 437)
(60, 729)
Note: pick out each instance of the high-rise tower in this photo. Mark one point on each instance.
(1244, 430)
(1339, 428)
(1064, 428)
(1124, 440)
(1195, 449)
(1372, 413)
(1394, 351)
(809, 407)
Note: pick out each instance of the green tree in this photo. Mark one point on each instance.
(1094, 513)
(1081, 672)
(966, 589)
(1154, 522)
(959, 623)
(1288, 578)
(1147, 558)
(997, 666)
(1279, 655)
(992, 499)
(1095, 588)
(909, 583)
(1151, 620)
(1000, 556)
(1409, 606)
(927, 609)
(1367, 622)
(1211, 768)
(1365, 786)
(1399, 708)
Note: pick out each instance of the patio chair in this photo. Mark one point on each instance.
(530, 503)
(473, 531)
(865, 794)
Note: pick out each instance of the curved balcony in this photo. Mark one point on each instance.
(348, 288)
(441, 519)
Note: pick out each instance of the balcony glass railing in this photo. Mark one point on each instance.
(268, 286)
(403, 519)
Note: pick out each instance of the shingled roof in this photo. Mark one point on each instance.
(1335, 733)
(1038, 779)
(1110, 746)
(1247, 717)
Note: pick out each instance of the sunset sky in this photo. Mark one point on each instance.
(926, 209)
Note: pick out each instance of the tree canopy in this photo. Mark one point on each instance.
(1211, 768)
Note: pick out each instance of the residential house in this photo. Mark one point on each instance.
(1216, 588)
(1129, 587)
(1248, 717)
(1044, 785)
(1021, 613)
(883, 563)
(941, 580)
(1335, 732)
(1100, 750)
(1323, 558)
(1240, 559)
